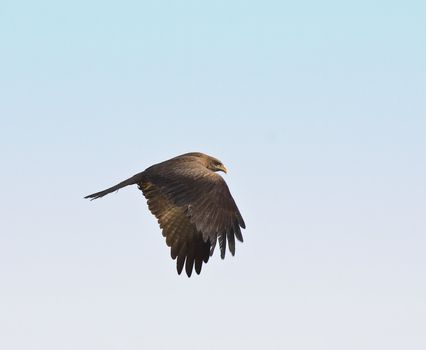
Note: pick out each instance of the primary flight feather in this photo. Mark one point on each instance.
(193, 206)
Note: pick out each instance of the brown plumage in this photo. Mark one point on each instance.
(193, 206)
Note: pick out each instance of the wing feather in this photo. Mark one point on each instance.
(231, 240)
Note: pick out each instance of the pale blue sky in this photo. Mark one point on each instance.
(317, 109)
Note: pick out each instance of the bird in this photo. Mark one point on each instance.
(193, 206)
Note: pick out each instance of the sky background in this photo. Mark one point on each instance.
(317, 109)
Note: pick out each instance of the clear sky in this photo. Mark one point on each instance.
(316, 107)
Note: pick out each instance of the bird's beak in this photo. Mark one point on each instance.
(222, 168)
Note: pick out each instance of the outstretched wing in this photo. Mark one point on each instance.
(195, 209)
(187, 244)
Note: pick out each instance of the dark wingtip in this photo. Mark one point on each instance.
(189, 263)
(231, 241)
(241, 222)
(180, 262)
(198, 267)
(237, 232)
(222, 245)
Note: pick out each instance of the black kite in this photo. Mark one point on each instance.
(193, 206)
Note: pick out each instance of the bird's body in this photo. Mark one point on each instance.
(193, 206)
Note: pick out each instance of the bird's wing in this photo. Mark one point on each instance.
(204, 198)
(187, 244)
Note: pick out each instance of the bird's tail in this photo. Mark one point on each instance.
(130, 181)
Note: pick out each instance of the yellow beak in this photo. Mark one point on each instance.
(222, 168)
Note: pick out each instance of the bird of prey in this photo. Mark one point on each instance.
(193, 206)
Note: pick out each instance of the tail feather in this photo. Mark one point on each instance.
(130, 181)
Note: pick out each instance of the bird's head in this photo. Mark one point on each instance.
(216, 165)
(209, 162)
